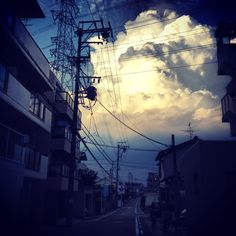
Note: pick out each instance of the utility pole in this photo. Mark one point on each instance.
(175, 175)
(121, 148)
(82, 90)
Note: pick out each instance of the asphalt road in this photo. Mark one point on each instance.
(126, 221)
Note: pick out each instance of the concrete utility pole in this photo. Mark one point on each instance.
(85, 31)
(121, 148)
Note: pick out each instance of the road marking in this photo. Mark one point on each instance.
(136, 226)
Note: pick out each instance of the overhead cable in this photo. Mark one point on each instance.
(135, 131)
(94, 156)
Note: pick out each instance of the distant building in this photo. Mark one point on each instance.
(204, 185)
(152, 182)
(226, 54)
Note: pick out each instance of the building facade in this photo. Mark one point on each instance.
(204, 185)
(26, 115)
(226, 54)
(35, 124)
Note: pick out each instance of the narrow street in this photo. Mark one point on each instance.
(126, 221)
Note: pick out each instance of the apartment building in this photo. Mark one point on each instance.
(226, 54)
(26, 114)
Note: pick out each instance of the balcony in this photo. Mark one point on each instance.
(228, 104)
(20, 49)
(61, 139)
(58, 177)
(64, 105)
(16, 101)
(36, 164)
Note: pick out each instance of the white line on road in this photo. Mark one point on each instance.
(136, 226)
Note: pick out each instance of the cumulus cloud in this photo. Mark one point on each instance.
(162, 73)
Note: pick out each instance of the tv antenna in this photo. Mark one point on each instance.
(190, 131)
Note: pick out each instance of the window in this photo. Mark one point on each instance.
(2, 77)
(37, 107)
(65, 171)
(32, 159)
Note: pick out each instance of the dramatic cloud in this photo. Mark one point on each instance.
(162, 73)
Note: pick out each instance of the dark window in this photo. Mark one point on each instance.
(65, 171)
(41, 111)
(4, 133)
(32, 159)
(37, 107)
(11, 145)
(3, 77)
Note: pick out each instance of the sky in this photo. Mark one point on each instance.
(158, 74)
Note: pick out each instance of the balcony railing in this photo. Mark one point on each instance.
(28, 43)
(61, 132)
(228, 104)
(64, 96)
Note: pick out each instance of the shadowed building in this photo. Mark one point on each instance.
(26, 115)
(226, 54)
(205, 184)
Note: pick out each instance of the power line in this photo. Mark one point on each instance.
(170, 52)
(95, 143)
(94, 157)
(159, 36)
(168, 67)
(48, 27)
(144, 136)
(130, 148)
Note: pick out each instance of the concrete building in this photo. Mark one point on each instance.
(226, 54)
(26, 115)
(205, 184)
(35, 121)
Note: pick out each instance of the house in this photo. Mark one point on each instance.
(226, 54)
(204, 184)
(26, 115)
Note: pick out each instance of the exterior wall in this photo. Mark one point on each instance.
(11, 181)
(42, 173)
(209, 177)
(18, 97)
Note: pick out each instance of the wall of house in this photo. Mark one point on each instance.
(209, 177)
